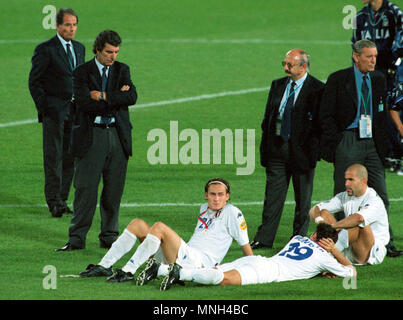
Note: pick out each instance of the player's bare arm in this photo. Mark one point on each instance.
(323, 215)
(329, 246)
(349, 222)
(247, 250)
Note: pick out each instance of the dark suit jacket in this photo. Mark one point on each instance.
(87, 78)
(339, 108)
(51, 78)
(305, 131)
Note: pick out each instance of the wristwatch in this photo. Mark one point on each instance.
(101, 96)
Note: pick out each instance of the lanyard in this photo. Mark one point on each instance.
(282, 107)
(365, 104)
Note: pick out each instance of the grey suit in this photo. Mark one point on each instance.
(100, 152)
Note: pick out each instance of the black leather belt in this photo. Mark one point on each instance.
(105, 126)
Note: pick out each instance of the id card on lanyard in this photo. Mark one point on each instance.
(365, 126)
(365, 123)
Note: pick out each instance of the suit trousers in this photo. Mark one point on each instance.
(57, 161)
(105, 159)
(351, 150)
(278, 175)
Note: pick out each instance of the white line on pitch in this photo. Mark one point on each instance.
(199, 41)
(161, 103)
(171, 204)
(197, 98)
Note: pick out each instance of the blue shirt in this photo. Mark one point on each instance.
(287, 93)
(358, 83)
(100, 67)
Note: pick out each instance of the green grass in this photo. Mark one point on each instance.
(163, 69)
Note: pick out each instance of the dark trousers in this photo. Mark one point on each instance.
(107, 160)
(278, 175)
(57, 161)
(351, 150)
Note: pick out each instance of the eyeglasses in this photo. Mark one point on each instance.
(289, 65)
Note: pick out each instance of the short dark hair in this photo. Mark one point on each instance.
(221, 181)
(106, 36)
(61, 12)
(324, 230)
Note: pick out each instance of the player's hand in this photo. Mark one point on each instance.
(327, 244)
(125, 88)
(329, 275)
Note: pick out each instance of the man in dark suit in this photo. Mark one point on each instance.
(353, 119)
(51, 87)
(289, 146)
(101, 140)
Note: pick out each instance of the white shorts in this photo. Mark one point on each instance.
(253, 269)
(376, 256)
(192, 258)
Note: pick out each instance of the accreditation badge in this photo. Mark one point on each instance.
(278, 126)
(365, 126)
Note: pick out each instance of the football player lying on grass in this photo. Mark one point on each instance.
(301, 258)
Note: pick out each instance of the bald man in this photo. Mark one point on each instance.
(289, 145)
(364, 232)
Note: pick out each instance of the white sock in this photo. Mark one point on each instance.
(203, 275)
(119, 248)
(342, 241)
(163, 269)
(144, 251)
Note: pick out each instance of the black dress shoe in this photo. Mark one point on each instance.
(65, 208)
(56, 211)
(258, 245)
(392, 252)
(69, 247)
(96, 271)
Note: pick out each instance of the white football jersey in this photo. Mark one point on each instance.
(369, 205)
(303, 258)
(215, 231)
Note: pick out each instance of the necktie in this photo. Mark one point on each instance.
(104, 119)
(70, 56)
(364, 107)
(104, 79)
(286, 121)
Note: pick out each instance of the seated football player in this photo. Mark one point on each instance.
(364, 232)
(218, 224)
